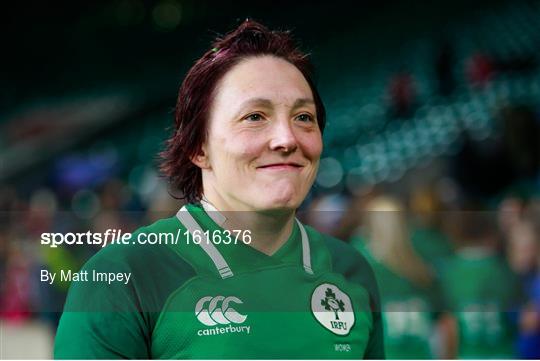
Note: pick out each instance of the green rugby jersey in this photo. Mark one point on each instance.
(482, 292)
(432, 245)
(409, 312)
(316, 297)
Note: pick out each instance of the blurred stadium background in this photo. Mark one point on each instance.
(433, 115)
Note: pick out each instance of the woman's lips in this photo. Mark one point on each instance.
(281, 166)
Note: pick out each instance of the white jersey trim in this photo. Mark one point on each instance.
(306, 252)
(191, 224)
(212, 212)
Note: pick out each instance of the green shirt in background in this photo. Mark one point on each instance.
(432, 245)
(409, 312)
(482, 292)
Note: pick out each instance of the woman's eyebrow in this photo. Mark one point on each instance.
(267, 103)
(261, 102)
(256, 101)
(303, 101)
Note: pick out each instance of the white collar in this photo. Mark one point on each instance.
(221, 265)
(212, 212)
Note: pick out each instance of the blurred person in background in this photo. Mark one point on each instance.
(509, 214)
(522, 249)
(510, 162)
(402, 94)
(352, 221)
(410, 299)
(480, 289)
(17, 299)
(524, 254)
(479, 69)
(42, 216)
(521, 142)
(444, 67)
(427, 237)
(16, 302)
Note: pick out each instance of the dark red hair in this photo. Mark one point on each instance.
(197, 92)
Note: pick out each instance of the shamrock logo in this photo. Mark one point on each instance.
(331, 303)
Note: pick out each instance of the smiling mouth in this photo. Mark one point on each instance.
(282, 166)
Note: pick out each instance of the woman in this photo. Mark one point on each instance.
(480, 289)
(246, 279)
(409, 297)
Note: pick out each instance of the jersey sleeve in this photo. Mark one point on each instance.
(101, 320)
(364, 274)
(356, 268)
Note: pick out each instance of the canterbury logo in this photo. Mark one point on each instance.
(212, 311)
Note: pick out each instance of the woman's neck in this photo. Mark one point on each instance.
(269, 230)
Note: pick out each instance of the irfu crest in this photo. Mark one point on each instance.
(330, 302)
(328, 297)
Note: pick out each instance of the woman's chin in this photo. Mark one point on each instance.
(281, 201)
(281, 194)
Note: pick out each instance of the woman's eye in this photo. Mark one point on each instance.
(305, 117)
(254, 117)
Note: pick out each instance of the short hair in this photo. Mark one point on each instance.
(195, 96)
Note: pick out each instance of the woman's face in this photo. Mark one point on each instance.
(263, 145)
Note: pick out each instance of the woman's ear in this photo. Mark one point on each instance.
(201, 158)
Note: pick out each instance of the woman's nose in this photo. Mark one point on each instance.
(283, 138)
